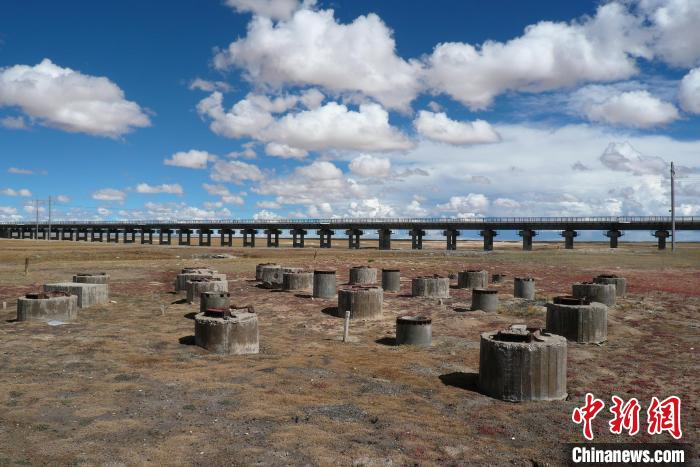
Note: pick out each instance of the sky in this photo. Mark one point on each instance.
(315, 109)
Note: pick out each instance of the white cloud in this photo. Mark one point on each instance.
(689, 92)
(274, 9)
(109, 194)
(12, 192)
(62, 199)
(268, 204)
(69, 100)
(14, 123)
(8, 213)
(173, 188)
(226, 196)
(320, 170)
(625, 158)
(266, 215)
(637, 109)
(168, 211)
(192, 159)
(312, 48)
(234, 171)
(15, 170)
(506, 203)
(371, 207)
(547, 56)
(368, 166)
(674, 24)
(438, 127)
(466, 206)
(284, 151)
(209, 86)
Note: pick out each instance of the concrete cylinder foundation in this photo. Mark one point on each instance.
(227, 331)
(196, 287)
(324, 284)
(524, 287)
(47, 306)
(601, 293)
(414, 330)
(620, 283)
(472, 279)
(520, 365)
(430, 287)
(303, 281)
(363, 275)
(362, 301)
(88, 294)
(192, 273)
(485, 299)
(218, 300)
(497, 278)
(391, 280)
(259, 268)
(91, 278)
(578, 320)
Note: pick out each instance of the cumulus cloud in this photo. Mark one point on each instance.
(273, 9)
(12, 192)
(16, 170)
(14, 123)
(623, 157)
(370, 207)
(312, 48)
(174, 188)
(266, 215)
(466, 206)
(284, 151)
(234, 171)
(169, 211)
(637, 109)
(192, 159)
(69, 100)
(438, 127)
(62, 199)
(320, 170)
(689, 92)
(226, 196)
(369, 166)
(674, 25)
(109, 194)
(209, 86)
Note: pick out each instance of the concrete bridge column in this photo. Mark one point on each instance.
(184, 237)
(569, 236)
(41, 234)
(488, 235)
(324, 237)
(613, 235)
(451, 238)
(96, 235)
(384, 239)
(129, 236)
(147, 237)
(109, 235)
(67, 234)
(354, 238)
(204, 237)
(273, 238)
(27, 233)
(527, 235)
(82, 235)
(662, 235)
(226, 237)
(417, 239)
(298, 237)
(16, 233)
(249, 237)
(54, 237)
(165, 236)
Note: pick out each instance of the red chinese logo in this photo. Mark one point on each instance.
(587, 413)
(665, 416)
(626, 416)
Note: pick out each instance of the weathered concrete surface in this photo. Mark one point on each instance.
(303, 280)
(472, 279)
(485, 299)
(620, 283)
(218, 300)
(196, 287)
(194, 273)
(577, 320)
(363, 302)
(91, 277)
(325, 284)
(430, 286)
(235, 333)
(259, 268)
(363, 275)
(272, 277)
(414, 330)
(47, 306)
(391, 280)
(601, 293)
(88, 294)
(524, 287)
(518, 365)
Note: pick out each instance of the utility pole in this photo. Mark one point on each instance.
(36, 230)
(49, 233)
(673, 210)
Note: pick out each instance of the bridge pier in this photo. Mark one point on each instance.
(226, 236)
(57, 236)
(417, 239)
(662, 235)
(16, 234)
(184, 237)
(41, 234)
(129, 235)
(67, 234)
(96, 235)
(527, 235)
(273, 238)
(109, 235)
(249, 237)
(81, 235)
(324, 237)
(204, 233)
(298, 237)
(451, 237)
(354, 238)
(27, 233)
(384, 239)
(613, 235)
(162, 234)
(488, 235)
(147, 234)
(569, 236)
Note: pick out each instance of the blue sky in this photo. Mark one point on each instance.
(277, 108)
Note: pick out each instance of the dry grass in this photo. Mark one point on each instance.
(122, 384)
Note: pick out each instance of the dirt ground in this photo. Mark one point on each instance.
(123, 385)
